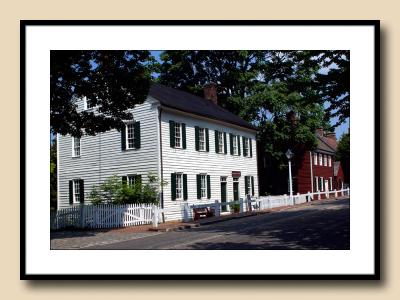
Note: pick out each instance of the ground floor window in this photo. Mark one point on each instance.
(321, 184)
(203, 185)
(179, 186)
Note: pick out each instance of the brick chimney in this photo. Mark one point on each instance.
(210, 92)
(331, 136)
(320, 131)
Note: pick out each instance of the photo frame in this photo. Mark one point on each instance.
(361, 37)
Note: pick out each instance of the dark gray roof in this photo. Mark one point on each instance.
(190, 103)
(323, 145)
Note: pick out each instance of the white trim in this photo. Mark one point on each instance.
(73, 146)
(126, 135)
(176, 186)
(205, 186)
(180, 136)
(75, 181)
(204, 139)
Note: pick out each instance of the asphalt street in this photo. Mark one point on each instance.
(322, 225)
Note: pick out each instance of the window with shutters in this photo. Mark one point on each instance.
(179, 186)
(133, 179)
(315, 158)
(325, 160)
(235, 144)
(203, 186)
(88, 104)
(178, 135)
(202, 139)
(246, 150)
(248, 185)
(130, 136)
(320, 159)
(76, 192)
(330, 160)
(220, 142)
(76, 147)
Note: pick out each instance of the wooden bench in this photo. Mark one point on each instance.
(203, 211)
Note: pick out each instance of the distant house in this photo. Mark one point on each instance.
(204, 152)
(317, 170)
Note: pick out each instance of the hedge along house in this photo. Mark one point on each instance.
(203, 152)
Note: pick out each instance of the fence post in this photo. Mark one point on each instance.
(155, 216)
(319, 195)
(308, 199)
(335, 193)
(348, 192)
(285, 199)
(217, 208)
(186, 212)
(241, 205)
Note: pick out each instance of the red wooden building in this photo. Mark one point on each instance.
(317, 170)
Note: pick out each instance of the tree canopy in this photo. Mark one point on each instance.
(114, 81)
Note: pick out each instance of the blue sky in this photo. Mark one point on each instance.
(340, 130)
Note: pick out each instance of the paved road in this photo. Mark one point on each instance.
(324, 225)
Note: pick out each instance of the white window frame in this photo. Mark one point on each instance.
(325, 160)
(202, 139)
(131, 178)
(127, 137)
(320, 159)
(315, 158)
(246, 147)
(248, 185)
(316, 183)
(220, 142)
(74, 148)
(76, 192)
(321, 179)
(178, 138)
(330, 160)
(235, 146)
(86, 104)
(330, 184)
(179, 186)
(203, 186)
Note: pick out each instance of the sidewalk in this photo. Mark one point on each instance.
(80, 239)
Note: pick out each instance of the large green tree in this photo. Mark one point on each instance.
(53, 175)
(112, 80)
(343, 155)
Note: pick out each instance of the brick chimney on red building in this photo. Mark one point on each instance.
(331, 136)
(320, 131)
(210, 92)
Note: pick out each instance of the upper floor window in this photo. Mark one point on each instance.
(130, 136)
(325, 160)
(88, 103)
(246, 147)
(320, 159)
(315, 158)
(76, 147)
(177, 133)
(202, 139)
(235, 144)
(330, 160)
(220, 142)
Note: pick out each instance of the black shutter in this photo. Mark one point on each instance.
(216, 141)
(124, 180)
(252, 185)
(208, 187)
(81, 191)
(246, 184)
(198, 180)
(185, 193)
(207, 141)
(250, 147)
(136, 140)
(138, 179)
(231, 143)
(172, 134)
(183, 135)
(238, 143)
(244, 146)
(196, 138)
(225, 146)
(123, 138)
(173, 186)
(71, 192)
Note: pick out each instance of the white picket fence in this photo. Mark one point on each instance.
(104, 216)
(266, 202)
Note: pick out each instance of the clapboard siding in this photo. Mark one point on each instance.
(192, 162)
(102, 157)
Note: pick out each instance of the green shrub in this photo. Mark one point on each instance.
(114, 191)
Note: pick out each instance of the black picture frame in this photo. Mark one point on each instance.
(377, 243)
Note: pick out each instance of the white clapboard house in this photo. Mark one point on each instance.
(203, 152)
